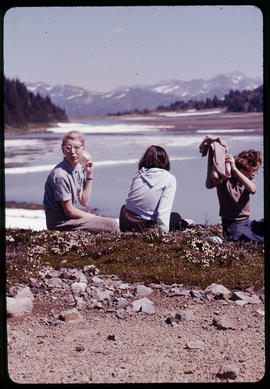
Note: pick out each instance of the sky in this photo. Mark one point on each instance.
(103, 48)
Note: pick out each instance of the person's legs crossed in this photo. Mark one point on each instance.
(94, 223)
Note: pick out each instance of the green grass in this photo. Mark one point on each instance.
(186, 257)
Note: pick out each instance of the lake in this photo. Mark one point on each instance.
(116, 145)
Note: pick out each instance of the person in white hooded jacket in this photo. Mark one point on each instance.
(151, 195)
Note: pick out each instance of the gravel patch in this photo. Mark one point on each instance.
(80, 334)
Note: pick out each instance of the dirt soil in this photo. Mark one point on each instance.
(104, 347)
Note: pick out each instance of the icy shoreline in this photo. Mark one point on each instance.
(30, 219)
(33, 219)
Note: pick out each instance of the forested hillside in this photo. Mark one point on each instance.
(23, 108)
(234, 101)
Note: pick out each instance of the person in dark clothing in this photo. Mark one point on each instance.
(234, 197)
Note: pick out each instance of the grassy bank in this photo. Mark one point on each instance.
(188, 257)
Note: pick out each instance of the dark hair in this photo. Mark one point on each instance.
(248, 159)
(155, 156)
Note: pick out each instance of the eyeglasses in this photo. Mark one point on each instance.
(69, 148)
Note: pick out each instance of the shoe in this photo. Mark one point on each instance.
(187, 223)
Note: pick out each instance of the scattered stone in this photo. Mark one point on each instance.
(70, 274)
(228, 372)
(253, 325)
(21, 304)
(185, 315)
(97, 304)
(260, 294)
(90, 270)
(79, 348)
(241, 303)
(173, 321)
(179, 292)
(123, 286)
(80, 302)
(18, 306)
(119, 315)
(259, 312)
(70, 315)
(78, 288)
(222, 323)
(103, 295)
(217, 291)
(144, 305)
(25, 293)
(195, 293)
(238, 296)
(83, 289)
(35, 283)
(97, 280)
(141, 290)
(122, 302)
(215, 239)
(243, 296)
(127, 295)
(54, 282)
(83, 278)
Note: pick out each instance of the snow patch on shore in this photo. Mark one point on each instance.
(107, 128)
(190, 113)
(29, 219)
(33, 219)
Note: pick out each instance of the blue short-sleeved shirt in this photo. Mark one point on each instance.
(63, 184)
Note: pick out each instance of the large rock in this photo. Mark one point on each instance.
(241, 296)
(228, 372)
(222, 323)
(21, 304)
(102, 295)
(142, 290)
(78, 288)
(144, 305)
(218, 291)
(70, 315)
(185, 315)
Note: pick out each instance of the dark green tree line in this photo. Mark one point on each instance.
(234, 101)
(22, 107)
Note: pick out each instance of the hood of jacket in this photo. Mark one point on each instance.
(153, 176)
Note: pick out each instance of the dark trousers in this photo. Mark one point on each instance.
(244, 230)
(129, 221)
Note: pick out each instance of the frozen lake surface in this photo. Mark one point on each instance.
(116, 145)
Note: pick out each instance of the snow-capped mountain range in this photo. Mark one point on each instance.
(79, 101)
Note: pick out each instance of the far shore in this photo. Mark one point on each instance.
(227, 121)
(22, 205)
(231, 122)
(31, 206)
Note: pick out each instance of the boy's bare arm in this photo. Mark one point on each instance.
(86, 192)
(71, 211)
(249, 185)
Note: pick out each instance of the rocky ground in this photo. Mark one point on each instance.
(79, 326)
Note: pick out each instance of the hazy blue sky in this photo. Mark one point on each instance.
(102, 48)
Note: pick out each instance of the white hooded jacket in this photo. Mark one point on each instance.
(151, 195)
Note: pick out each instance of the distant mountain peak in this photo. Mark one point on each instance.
(80, 101)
